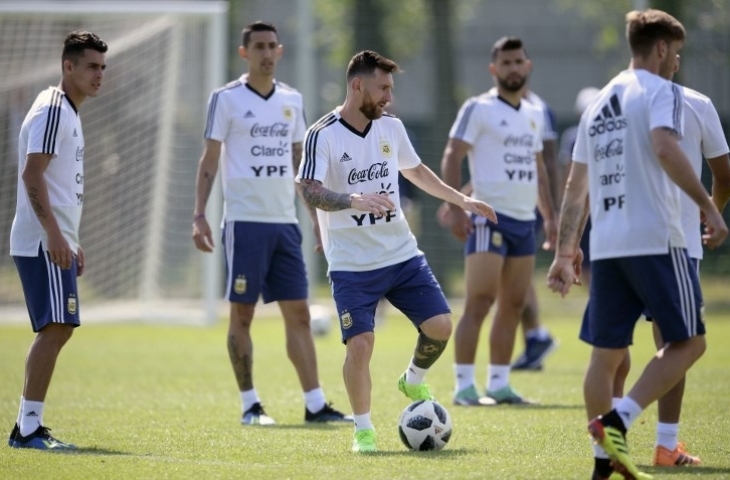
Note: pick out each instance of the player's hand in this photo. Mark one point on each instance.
(561, 275)
(480, 208)
(80, 262)
(59, 251)
(715, 229)
(551, 234)
(375, 203)
(455, 219)
(202, 236)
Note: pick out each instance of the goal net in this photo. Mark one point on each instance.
(143, 140)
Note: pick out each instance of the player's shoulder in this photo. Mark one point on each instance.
(693, 96)
(229, 88)
(50, 97)
(324, 124)
(287, 89)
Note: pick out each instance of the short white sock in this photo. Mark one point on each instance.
(249, 398)
(628, 410)
(20, 410)
(314, 399)
(599, 452)
(464, 373)
(31, 418)
(667, 435)
(497, 377)
(363, 421)
(540, 333)
(614, 401)
(415, 375)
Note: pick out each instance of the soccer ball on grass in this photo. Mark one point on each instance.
(424, 425)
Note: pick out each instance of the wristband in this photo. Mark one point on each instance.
(198, 216)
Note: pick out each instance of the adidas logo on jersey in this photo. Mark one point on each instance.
(503, 123)
(345, 158)
(75, 134)
(249, 114)
(609, 119)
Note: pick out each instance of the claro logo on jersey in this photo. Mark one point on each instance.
(375, 171)
(278, 129)
(609, 120)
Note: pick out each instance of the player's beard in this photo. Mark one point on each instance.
(369, 108)
(513, 83)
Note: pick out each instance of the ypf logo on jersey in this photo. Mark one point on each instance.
(239, 285)
(346, 320)
(610, 118)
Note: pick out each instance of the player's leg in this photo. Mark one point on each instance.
(52, 300)
(538, 341)
(246, 260)
(356, 296)
(416, 292)
(515, 280)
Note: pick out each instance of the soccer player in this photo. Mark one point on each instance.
(350, 174)
(44, 238)
(703, 137)
(256, 127)
(626, 163)
(502, 136)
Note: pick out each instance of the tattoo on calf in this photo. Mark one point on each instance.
(427, 351)
(242, 365)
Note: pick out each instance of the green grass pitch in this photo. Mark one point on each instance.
(153, 401)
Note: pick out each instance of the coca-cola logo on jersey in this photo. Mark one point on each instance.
(611, 149)
(525, 140)
(278, 129)
(375, 171)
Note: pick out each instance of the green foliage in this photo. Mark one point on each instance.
(151, 401)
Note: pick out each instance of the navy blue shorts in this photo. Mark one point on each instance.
(695, 265)
(585, 243)
(409, 286)
(508, 238)
(51, 294)
(622, 288)
(264, 259)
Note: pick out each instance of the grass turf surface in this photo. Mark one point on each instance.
(151, 401)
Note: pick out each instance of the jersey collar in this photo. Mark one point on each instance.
(265, 97)
(354, 130)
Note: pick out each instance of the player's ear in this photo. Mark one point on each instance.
(356, 84)
(492, 69)
(528, 64)
(279, 51)
(67, 66)
(242, 52)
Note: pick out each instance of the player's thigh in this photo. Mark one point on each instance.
(248, 249)
(613, 307)
(482, 272)
(416, 292)
(51, 293)
(356, 295)
(515, 280)
(286, 278)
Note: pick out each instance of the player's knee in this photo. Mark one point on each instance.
(360, 348)
(438, 327)
(477, 306)
(241, 315)
(56, 335)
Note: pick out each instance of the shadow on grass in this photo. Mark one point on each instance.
(442, 454)
(303, 426)
(536, 406)
(95, 451)
(686, 470)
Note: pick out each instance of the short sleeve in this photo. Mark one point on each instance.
(216, 127)
(666, 109)
(714, 142)
(407, 156)
(300, 125)
(550, 129)
(466, 126)
(316, 155)
(580, 148)
(47, 126)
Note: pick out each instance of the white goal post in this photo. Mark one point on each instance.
(144, 136)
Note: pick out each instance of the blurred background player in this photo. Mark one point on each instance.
(350, 174)
(502, 136)
(44, 238)
(256, 126)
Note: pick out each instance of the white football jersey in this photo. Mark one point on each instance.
(257, 134)
(504, 141)
(703, 137)
(550, 129)
(634, 204)
(348, 161)
(52, 126)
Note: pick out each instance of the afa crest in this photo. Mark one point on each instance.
(239, 285)
(533, 125)
(71, 305)
(288, 113)
(385, 149)
(497, 239)
(346, 320)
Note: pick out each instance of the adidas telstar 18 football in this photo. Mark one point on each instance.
(424, 425)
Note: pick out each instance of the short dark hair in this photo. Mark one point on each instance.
(364, 64)
(505, 44)
(257, 26)
(645, 28)
(78, 41)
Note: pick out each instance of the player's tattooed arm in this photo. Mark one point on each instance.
(670, 131)
(572, 219)
(319, 197)
(36, 203)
